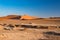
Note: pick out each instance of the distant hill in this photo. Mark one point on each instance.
(13, 17)
(10, 17)
(23, 17)
(54, 17)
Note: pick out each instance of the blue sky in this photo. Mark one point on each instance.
(40, 8)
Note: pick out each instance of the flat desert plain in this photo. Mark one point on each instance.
(28, 33)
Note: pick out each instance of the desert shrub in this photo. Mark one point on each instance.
(28, 26)
(17, 25)
(6, 28)
(58, 34)
(43, 27)
(10, 26)
(50, 33)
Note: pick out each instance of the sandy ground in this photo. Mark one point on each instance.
(29, 34)
(28, 21)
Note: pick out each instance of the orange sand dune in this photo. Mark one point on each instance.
(27, 17)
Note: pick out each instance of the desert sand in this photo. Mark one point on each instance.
(27, 33)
